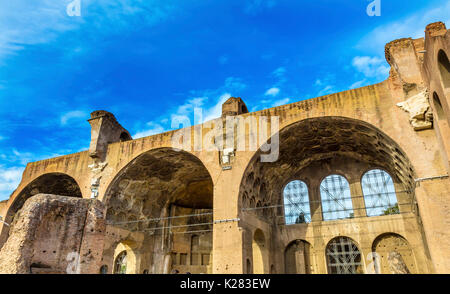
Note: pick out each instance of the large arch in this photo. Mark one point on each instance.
(394, 255)
(344, 256)
(163, 198)
(51, 183)
(297, 257)
(444, 68)
(320, 144)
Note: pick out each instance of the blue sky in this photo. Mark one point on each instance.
(147, 61)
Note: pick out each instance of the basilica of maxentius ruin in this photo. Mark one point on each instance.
(360, 184)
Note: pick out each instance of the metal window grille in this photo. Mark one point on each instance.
(336, 198)
(296, 203)
(379, 193)
(343, 257)
(120, 266)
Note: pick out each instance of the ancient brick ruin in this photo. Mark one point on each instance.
(361, 176)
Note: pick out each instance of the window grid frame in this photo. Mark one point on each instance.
(335, 192)
(294, 195)
(379, 192)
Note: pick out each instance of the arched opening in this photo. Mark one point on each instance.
(438, 107)
(163, 199)
(297, 257)
(313, 149)
(52, 183)
(444, 68)
(335, 198)
(104, 269)
(394, 255)
(120, 264)
(343, 257)
(249, 266)
(379, 193)
(259, 252)
(296, 203)
(125, 137)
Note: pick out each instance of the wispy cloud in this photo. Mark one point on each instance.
(10, 178)
(151, 129)
(371, 67)
(272, 92)
(280, 102)
(14, 162)
(209, 102)
(279, 72)
(411, 26)
(326, 85)
(24, 23)
(358, 84)
(75, 114)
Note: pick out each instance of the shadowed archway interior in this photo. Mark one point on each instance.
(53, 183)
(164, 198)
(317, 144)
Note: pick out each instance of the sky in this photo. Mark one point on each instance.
(148, 61)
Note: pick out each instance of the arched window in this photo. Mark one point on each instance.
(296, 203)
(336, 198)
(120, 266)
(444, 68)
(379, 193)
(259, 253)
(343, 257)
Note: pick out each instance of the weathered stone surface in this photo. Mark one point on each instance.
(47, 233)
(419, 109)
(396, 263)
(144, 182)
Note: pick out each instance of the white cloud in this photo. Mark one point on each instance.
(216, 110)
(31, 22)
(329, 89)
(371, 67)
(189, 106)
(22, 157)
(412, 26)
(318, 82)
(153, 128)
(272, 92)
(279, 72)
(326, 85)
(24, 22)
(234, 84)
(10, 178)
(358, 84)
(76, 114)
(15, 162)
(209, 102)
(281, 102)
